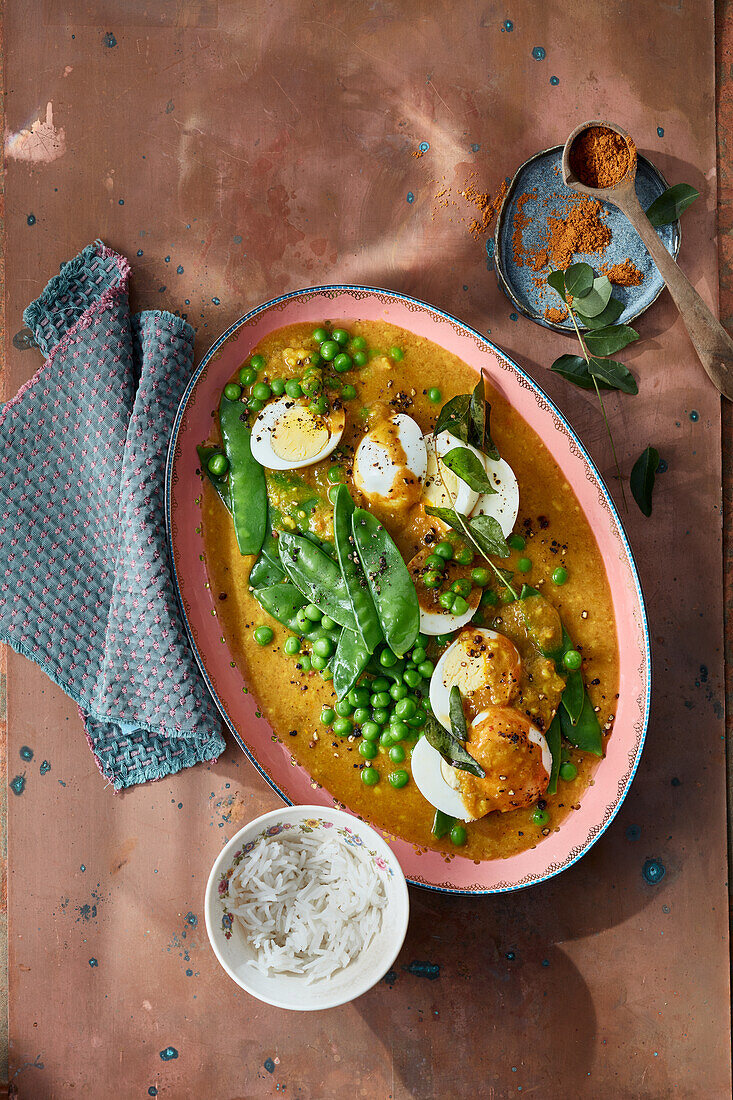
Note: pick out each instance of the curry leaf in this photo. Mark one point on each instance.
(453, 417)
(468, 468)
(579, 280)
(611, 313)
(451, 749)
(485, 531)
(642, 479)
(609, 340)
(614, 374)
(596, 300)
(671, 203)
(457, 717)
(479, 416)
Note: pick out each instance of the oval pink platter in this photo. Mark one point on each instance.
(601, 802)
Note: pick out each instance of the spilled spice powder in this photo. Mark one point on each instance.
(487, 206)
(623, 274)
(599, 157)
(579, 229)
(555, 314)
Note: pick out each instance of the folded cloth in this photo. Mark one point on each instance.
(86, 589)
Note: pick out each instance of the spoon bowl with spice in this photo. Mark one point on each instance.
(599, 160)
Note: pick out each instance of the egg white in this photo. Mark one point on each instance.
(444, 622)
(434, 494)
(442, 681)
(301, 428)
(427, 767)
(503, 505)
(376, 473)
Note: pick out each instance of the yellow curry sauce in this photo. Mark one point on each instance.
(556, 532)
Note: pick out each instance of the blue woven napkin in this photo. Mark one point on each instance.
(85, 581)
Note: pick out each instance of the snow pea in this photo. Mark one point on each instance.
(365, 613)
(267, 569)
(442, 824)
(317, 576)
(283, 602)
(585, 734)
(247, 486)
(350, 660)
(221, 487)
(553, 736)
(389, 581)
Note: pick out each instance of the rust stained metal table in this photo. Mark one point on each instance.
(237, 151)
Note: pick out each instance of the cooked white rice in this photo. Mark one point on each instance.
(308, 906)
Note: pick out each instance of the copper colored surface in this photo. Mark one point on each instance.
(262, 147)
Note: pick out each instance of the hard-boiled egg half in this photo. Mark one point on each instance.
(390, 462)
(435, 619)
(484, 665)
(503, 503)
(286, 435)
(441, 484)
(514, 755)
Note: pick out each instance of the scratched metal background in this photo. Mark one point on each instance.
(237, 150)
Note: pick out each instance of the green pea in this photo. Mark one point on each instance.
(517, 542)
(397, 354)
(361, 358)
(458, 835)
(426, 669)
(320, 334)
(292, 646)
(218, 465)
(333, 473)
(385, 738)
(419, 654)
(348, 392)
(264, 635)
(398, 691)
(461, 587)
(327, 673)
(418, 719)
(465, 556)
(361, 715)
(370, 731)
(399, 778)
(572, 660)
(340, 335)
(328, 716)
(278, 386)
(344, 708)
(329, 350)
(435, 395)
(257, 361)
(489, 599)
(380, 684)
(311, 385)
(318, 662)
(480, 577)
(406, 708)
(247, 376)
(559, 575)
(323, 647)
(460, 606)
(232, 391)
(304, 664)
(387, 658)
(302, 620)
(318, 405)
(261, 391)
(446, 600)
(444, 550)
(412, 677)
(370, 776)
(314, 360)
(342, 727)
(540, 817)
(443, 639)
(292, 388)
(568, 771)
(313, 613)
(380, 699)
(254, 405)
(434, 561)
(380, 715)
(398, 729)
(368, 750)
(397, 754)
(358, 343)
(432, 579)
(342, 363)
(359, 697)
(327, 623)
(507, 596)
(524, 565)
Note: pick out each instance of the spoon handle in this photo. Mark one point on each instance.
(712, 343)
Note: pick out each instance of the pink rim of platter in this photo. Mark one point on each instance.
(434, 870)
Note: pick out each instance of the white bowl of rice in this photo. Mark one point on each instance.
(306, 908)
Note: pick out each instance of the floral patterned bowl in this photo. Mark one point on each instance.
(291, 991)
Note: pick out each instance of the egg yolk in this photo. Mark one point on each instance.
(299, 435)
(486, 667)
(516, 775)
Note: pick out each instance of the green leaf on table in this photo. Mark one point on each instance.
(466, 466)
(596, 300)
(451, 749)
(609, 340)
(556, 279)
(611, 313)
(615, 375)
(579, 280)
(642, 479)
(574, 369)
(671, 204)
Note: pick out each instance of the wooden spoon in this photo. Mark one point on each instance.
(712, 343)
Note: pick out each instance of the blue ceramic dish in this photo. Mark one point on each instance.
(541, 175)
